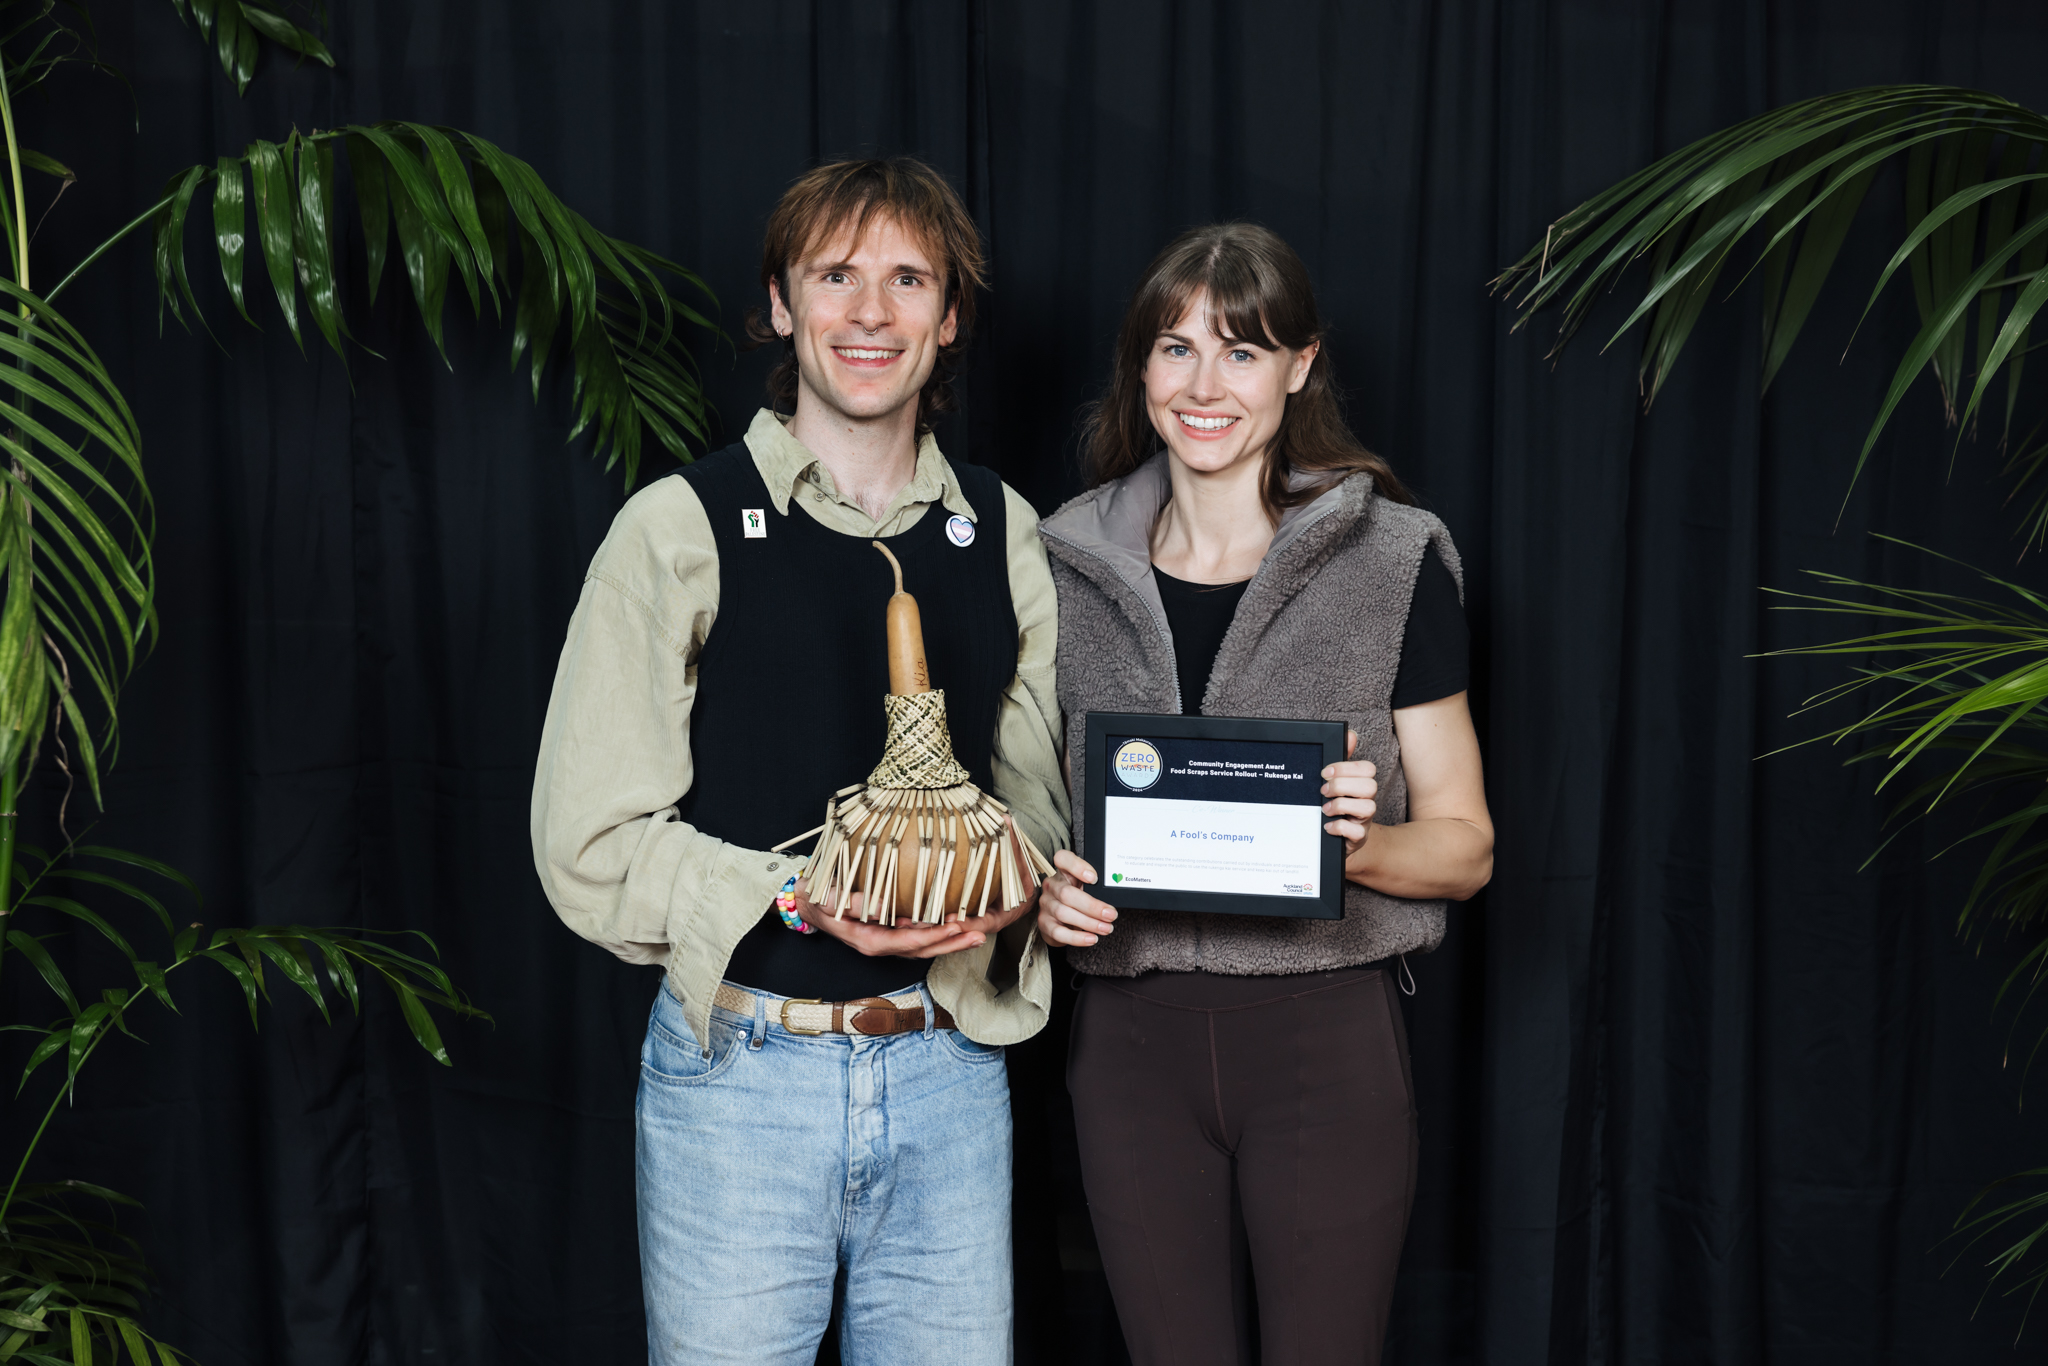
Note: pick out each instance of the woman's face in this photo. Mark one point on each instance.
(1215, 400)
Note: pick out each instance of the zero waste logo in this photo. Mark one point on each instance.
(1136, 765)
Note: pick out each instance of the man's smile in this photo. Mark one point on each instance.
(866, 355)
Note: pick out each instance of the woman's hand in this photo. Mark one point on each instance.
(1351, 787)
(1066, 914)
(908, 941)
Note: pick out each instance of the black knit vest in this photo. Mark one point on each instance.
(791, 679)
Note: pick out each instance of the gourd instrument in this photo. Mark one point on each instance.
(918, 840)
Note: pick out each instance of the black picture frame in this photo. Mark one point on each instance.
(1328, 904)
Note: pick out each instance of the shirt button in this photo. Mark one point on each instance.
(773, 866)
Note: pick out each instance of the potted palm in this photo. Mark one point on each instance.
(78, 583)
(1955, 682)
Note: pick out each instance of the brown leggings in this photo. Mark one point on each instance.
(1220, 1116)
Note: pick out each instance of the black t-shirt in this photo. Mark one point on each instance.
(1434, 647)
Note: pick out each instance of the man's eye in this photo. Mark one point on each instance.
(908, 280)
(835, 277)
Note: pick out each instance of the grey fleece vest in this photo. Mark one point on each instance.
(1317, 636)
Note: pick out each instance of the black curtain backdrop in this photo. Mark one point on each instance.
(1693, 1088)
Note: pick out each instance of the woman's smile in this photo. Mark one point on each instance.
(1205, 426)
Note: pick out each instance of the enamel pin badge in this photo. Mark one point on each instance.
(753, 524)
(959, 530)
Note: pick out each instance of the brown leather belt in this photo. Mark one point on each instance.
(869, 1015)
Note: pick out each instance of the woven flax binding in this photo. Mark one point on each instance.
(919, 752)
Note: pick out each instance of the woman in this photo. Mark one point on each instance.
(1241, 1083)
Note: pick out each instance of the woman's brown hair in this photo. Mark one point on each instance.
(852, 194)
(1260, 292)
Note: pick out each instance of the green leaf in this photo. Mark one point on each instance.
(230, 217)
(31, 948)
(239, 970)
(374, 200)
(52, 1044)
(338, 970)
(457, 202)
(1803, 171)
(152, 977)
(170, 251)
(313, 240)
(36, 161)
(125, 888)
(421, 1023)
(66, 906)
(276, 225)
(474, 263)
(292, 959)
(144, 862)
(286, 34)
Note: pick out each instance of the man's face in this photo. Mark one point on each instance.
(868, 318)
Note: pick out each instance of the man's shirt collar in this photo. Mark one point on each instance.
(784, 462)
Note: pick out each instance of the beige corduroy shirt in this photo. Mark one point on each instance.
(616, 859)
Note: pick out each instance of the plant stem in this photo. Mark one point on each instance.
(103, 248)
(8, 822)
(20, 197)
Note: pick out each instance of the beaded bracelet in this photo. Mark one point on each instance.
(785, 907)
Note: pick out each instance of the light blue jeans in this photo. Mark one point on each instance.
(771, 1164)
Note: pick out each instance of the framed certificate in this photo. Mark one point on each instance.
(1213, 813)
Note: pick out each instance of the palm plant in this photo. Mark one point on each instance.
(1955, 679)
(78, 585)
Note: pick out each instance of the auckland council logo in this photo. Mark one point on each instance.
(1136, 765)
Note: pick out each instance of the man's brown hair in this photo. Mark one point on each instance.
(842, 194)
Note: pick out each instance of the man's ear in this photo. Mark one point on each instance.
(778, 312)
(950, 328)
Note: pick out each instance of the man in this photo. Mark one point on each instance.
(723, 677)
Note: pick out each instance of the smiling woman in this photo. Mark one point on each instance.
(1240, 1082)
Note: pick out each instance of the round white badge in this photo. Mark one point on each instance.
(1136, 765)
(960, 531)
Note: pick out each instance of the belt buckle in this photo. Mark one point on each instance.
(799, 1001)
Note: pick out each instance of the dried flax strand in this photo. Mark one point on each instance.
(918, 840)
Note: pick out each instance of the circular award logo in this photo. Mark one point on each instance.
(1136, 765)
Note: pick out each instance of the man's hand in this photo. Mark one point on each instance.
(911, 941)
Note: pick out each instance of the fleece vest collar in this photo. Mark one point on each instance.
(1316, 636)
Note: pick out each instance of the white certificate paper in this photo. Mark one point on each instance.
(1240, 817)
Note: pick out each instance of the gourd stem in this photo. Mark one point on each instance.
(892, 563)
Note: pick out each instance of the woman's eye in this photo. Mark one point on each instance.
(1176, 350)
(1241, 355)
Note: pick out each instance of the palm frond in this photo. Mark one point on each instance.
(71, 1283)
(462, 209)
(1787, 185)
(235, 27)
(78, 602)
(1959, 683)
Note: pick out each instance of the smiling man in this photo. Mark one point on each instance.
(822, 1102)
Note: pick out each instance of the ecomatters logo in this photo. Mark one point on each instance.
(1136, 765)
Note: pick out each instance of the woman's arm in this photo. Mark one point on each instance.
(1445, 848)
